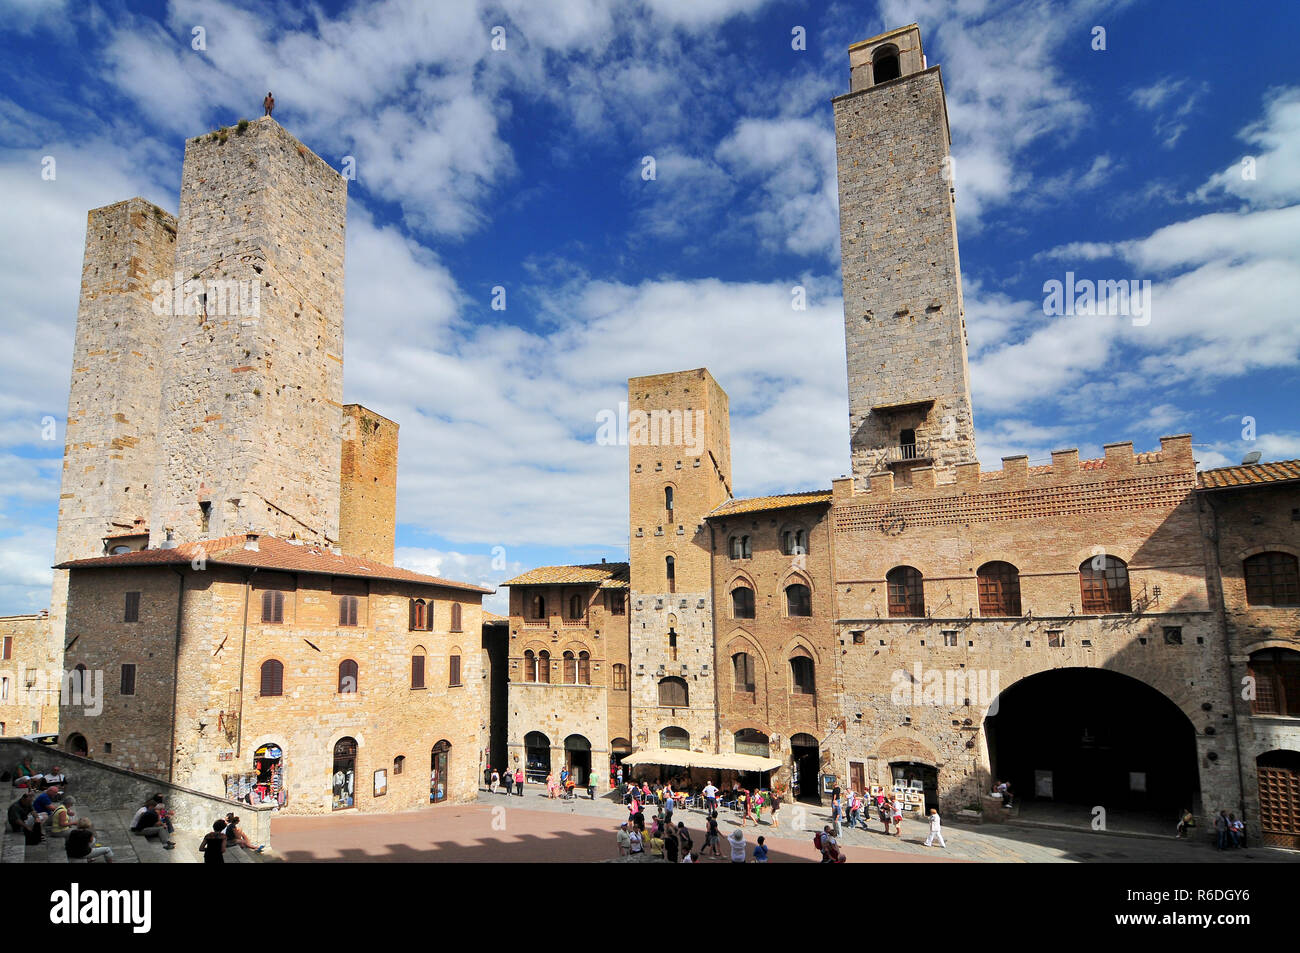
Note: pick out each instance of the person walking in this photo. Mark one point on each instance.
(884, 812)
(776, 809)
(898, 816)
(712, 837)
(214, 843)
(1221, 830)
(936, 829)
(684, 839)
(837, 811)
(551, 789)
(591, 785)
(1186, 821)
(494, 781)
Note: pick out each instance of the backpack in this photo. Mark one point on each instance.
(817, 840)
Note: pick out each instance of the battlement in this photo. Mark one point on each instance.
(1173, 459)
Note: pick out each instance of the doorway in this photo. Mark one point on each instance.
(344, 776)
(577, 758)
(908, 773)
(439, 758)
(806, 774)
(1279, 799)
(537, 757)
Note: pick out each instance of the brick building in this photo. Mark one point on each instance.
(30, 675)
(1119, 633)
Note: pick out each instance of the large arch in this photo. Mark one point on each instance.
(1092, 736)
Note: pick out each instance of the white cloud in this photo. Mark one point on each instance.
(1269, 175)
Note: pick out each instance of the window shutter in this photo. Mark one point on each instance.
(132, 613)
(128, 678)
(417, 671)
(455, 670)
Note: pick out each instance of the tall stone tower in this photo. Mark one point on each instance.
(250, 426)
(905, 334)
(679, 461)
(368, 494)
(110, 444)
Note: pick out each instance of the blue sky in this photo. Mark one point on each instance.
(521, 168)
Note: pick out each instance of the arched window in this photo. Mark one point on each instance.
(668, 500)
(675, 738)
(272, 678)
(803, 680)
(1103, 581)
(670, 570)
(906, 594)
(752, 741)
(798, 599)
(673, 692)
(347, 677)
(576, 607)
(455, 617)
(419, 616)
(570, 668)
(453, 668)
(417, 667)
(530, 666)
(999, 588)
(794, 542)
(544, 667)
(742, 666)
(1272, 579)
(742, 602)
(272, 606)
(538, 607)
(740, 548)
(620, 678)
(1276, 674)
(884, 65)
(399, 764)
(584, 668)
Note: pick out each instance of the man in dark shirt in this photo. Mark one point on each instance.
(23, 817)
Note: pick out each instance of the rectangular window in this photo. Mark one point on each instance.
(417, 671)
(1173, 635)
(454, 681)
(4, 689)
(9, 647)
(1055, 638)
(132, 613)
(614, 601)
(273, 606)
(31, 677)
(128, 678)
(950, 638)
(620, 678)
(348, 610)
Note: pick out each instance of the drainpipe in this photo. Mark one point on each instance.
(717, 676)
(176, 665)
(1217, 577)
(243, 645)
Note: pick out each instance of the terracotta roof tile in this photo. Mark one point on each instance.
(272, 553)
(757, 504)
(605, 575)
(1251, 474)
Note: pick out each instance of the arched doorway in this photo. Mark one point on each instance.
(805, 774)
(268, 768)
(439, 760)
(344, 775)
(1090, 737)
(537, 757)
(577, 758)
(916, 776)
(78, 745)
(1279, 798)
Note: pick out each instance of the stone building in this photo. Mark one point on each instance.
(568, 703)
(253, 663)
(1116, 636)
(226, 527)
(30, 675)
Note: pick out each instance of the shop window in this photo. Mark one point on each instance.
(675, 738)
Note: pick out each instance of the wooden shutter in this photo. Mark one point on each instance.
(455, 670)
(417, 671)
(132, 613)
(272, 678)
(455, 617)
(128, 678)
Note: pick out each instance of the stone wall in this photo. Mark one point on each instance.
(28, 646)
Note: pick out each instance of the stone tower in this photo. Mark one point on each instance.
(368, 495)
(110, 445)
(679, 461)
(250, 425)
(905, 334)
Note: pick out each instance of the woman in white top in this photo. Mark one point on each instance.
(737, 841)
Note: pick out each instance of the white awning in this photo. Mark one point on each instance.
(681, 758)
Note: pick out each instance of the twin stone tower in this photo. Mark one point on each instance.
(207, 383)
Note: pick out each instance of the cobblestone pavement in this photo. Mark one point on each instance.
(536, 829)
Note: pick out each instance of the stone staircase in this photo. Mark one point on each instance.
(112, 829)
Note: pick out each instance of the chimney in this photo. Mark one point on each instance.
(250, 541)
(169, 542)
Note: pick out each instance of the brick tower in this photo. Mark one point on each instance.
(368, 494)
(679, 462)
(250, 427)
(110, 443)
(905, 334)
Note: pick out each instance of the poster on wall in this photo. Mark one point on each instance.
(381, 782)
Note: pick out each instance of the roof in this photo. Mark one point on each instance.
(271, 553)
(1252, 474)
(492, 617)
(603, 575)
(756, 503)
(680, 758)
